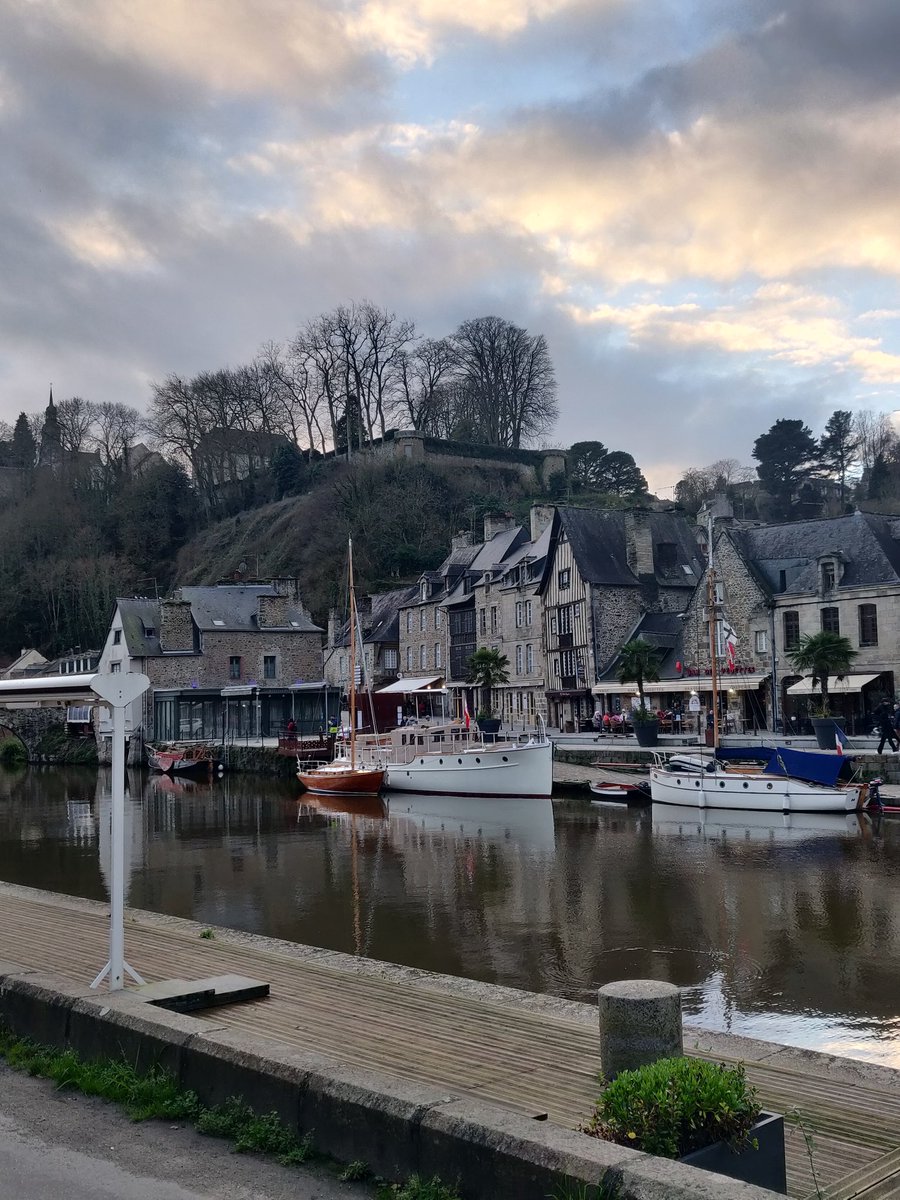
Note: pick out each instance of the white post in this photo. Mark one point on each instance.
(118, 691)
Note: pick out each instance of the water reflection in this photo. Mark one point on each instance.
(786, 928)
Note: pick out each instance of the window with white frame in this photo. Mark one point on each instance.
(437, 655)
(761, 641)
(520, 613)
(423, 657)
(437, 618)
(390, 660)
(520, 659)
(493, 621)
(527, 612)
(423, 620)
(529, 658)
(409, 658)
(482, 620)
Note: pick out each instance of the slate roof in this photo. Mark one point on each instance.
(233, 607)
(866, 543)
(138, 615)
(599, 545)
(664, 631)
(383, 625)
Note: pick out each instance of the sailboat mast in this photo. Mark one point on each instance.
(352, 656)
(712, 608)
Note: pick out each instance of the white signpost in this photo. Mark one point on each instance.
(118, 691)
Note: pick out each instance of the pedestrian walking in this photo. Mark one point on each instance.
(884, 719)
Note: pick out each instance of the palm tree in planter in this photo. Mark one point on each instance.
(639, 663)
(487, 668)
(822, 655)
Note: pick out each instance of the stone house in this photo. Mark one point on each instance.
(508, 618)
(379, 619)
(603, 571)
(776, 584)
(223, 661)
(841, 575)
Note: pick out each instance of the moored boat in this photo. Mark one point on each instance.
(776, 779)
(182, 759)
(449, 760)
(345, 776)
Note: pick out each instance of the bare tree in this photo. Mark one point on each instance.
(422, 374)
(76, 419)
(877, 438)
(511, 376)
(297, 400)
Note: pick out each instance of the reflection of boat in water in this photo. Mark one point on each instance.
(373, 807)
(178, 785)
(754, 826)
(527, 822)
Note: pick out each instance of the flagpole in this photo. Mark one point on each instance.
(711, 601)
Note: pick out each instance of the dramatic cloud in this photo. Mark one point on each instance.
(696, 203)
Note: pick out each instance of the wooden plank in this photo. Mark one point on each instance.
(531, 1062)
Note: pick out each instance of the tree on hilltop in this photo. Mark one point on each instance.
(788, 458)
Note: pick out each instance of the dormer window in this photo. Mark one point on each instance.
(828, 576)
(424, 590)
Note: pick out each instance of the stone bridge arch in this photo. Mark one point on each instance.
(29, 725)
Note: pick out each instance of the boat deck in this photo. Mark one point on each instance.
(521, 1054)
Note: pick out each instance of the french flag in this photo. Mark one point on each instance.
(840, 739)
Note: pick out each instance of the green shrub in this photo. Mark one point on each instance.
(675, 1106)
(13, 753)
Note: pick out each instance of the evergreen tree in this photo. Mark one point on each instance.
(787, 456)
(24, 448)
(838, 447)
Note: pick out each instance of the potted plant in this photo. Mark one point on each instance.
(639, 663)
(822, 655)
(702, 1113)
(487, 668)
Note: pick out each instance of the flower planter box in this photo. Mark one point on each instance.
(647, 732)
(489, 728)
(764, 1166)
(824, 730)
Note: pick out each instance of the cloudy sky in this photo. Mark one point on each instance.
(697, 201)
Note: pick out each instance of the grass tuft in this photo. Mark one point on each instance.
(417, 1188)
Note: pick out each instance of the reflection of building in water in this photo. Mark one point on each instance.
(552, 898)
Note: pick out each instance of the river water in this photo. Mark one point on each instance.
(784, 930)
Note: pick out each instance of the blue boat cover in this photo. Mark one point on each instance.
(809, 765)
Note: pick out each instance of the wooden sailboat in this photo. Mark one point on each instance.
(343, 777)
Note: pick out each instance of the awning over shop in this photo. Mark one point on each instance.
(690, 683)
(836, 687)
(428, 683)
(78, 714)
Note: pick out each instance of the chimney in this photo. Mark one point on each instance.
(639, 542)
(334, 627)
(497, 522)
(176, 626)
(541, 517)
(272, 611)
(461, 540)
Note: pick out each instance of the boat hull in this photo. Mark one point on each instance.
(525, 772)
(173, 763)
(754, 792)
(342, 783)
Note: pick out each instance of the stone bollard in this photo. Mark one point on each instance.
(640, 1021)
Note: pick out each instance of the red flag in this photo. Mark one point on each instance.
(837, 742)
(466, 716)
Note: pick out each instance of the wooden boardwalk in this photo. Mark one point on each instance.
(532, 1061)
